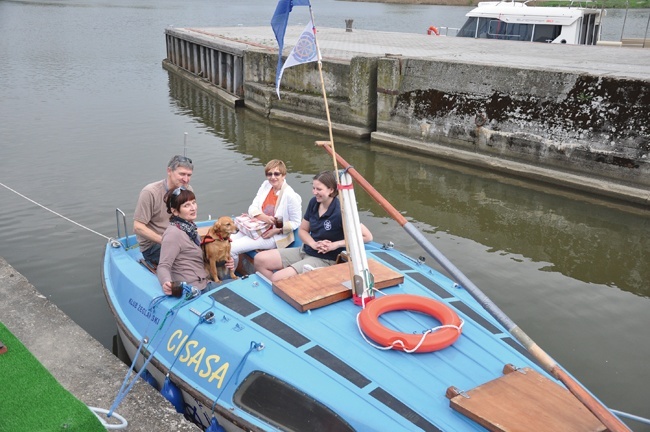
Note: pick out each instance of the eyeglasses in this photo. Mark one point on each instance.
(178, 190)
(178, 159)
(273, 174)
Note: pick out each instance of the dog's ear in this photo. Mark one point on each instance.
(217, 226)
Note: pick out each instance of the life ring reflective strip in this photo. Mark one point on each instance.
(433, 30)
(441, 337)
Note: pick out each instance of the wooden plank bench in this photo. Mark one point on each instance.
(326, 285)
(524, 400)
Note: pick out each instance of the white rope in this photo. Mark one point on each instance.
(400, 343)
(363, 335)
(55, 213)
(122, 421)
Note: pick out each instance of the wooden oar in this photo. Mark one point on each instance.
(551, 366)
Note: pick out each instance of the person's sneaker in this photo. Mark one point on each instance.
(307, 268)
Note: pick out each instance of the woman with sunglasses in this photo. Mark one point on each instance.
(278, 206)
(181, 257)
(321, 231)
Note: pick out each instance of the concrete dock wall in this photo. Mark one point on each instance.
(77, 361)
(350, 85)
(574, 122)
(533, 114)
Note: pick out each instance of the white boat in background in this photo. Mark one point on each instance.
(517, 21)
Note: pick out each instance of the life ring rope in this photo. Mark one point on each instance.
(432, 339)
(400, 342)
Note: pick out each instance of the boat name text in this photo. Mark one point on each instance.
(193, 354)
(144, 311)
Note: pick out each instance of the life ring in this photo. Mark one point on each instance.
(442, 337)
(433, 30)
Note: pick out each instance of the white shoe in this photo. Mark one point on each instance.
(307, 268)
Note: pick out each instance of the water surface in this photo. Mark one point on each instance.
(88, 116)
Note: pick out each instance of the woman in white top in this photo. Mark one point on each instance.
(275, 204)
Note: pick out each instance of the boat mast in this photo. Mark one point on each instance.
(360, 277)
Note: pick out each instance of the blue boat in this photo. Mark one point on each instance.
(379, 342)
(304, 354)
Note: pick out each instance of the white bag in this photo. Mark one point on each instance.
(252, 227)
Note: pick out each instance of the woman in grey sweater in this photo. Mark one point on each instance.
(181, 257)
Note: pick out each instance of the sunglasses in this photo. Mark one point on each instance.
(178, 190)
(180, 159)
(273, 174)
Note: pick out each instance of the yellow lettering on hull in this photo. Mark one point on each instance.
(207, 367)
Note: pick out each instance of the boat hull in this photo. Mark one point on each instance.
(271, 367)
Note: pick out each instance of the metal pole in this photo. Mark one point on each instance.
(645, 36)
(627, 6)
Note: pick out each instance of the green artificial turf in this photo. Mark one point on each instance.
(32, 400)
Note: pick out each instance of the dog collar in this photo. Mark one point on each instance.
(207, 239)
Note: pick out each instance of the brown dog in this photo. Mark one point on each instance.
(216, 248)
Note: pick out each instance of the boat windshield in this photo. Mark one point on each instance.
(281, 404)
(492, 28)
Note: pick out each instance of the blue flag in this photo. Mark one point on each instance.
(279, 25)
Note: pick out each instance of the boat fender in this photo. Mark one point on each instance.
(146, 375)
(215, 426)
(433, 30)
(173, 394)
(432, 340)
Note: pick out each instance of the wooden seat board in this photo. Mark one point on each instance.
(518, 402)
(326, 285)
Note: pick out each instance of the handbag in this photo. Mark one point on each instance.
(252, 227)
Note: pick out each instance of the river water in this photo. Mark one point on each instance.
(88, 116)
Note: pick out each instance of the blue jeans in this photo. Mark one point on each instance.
(152, 254)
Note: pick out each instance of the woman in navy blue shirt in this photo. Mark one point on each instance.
(321, 232)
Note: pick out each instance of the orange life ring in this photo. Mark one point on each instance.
(433, 30)
(441, 338)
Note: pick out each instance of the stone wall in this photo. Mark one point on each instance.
(351, 91)
(586, 131)
(575, 122)
(595, 128)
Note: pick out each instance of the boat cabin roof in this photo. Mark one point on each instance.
(520, 13)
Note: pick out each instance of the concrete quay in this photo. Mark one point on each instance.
(77, 361)
(573, 116)
(338, 44)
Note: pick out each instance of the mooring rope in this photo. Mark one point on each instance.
(254, 346)
(55, 213)
(127, 384)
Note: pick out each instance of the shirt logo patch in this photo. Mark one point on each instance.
(328, 225)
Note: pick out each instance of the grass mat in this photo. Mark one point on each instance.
(32, 400)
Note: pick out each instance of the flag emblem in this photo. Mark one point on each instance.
(305, 49)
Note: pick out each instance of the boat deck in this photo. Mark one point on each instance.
(320, 351)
